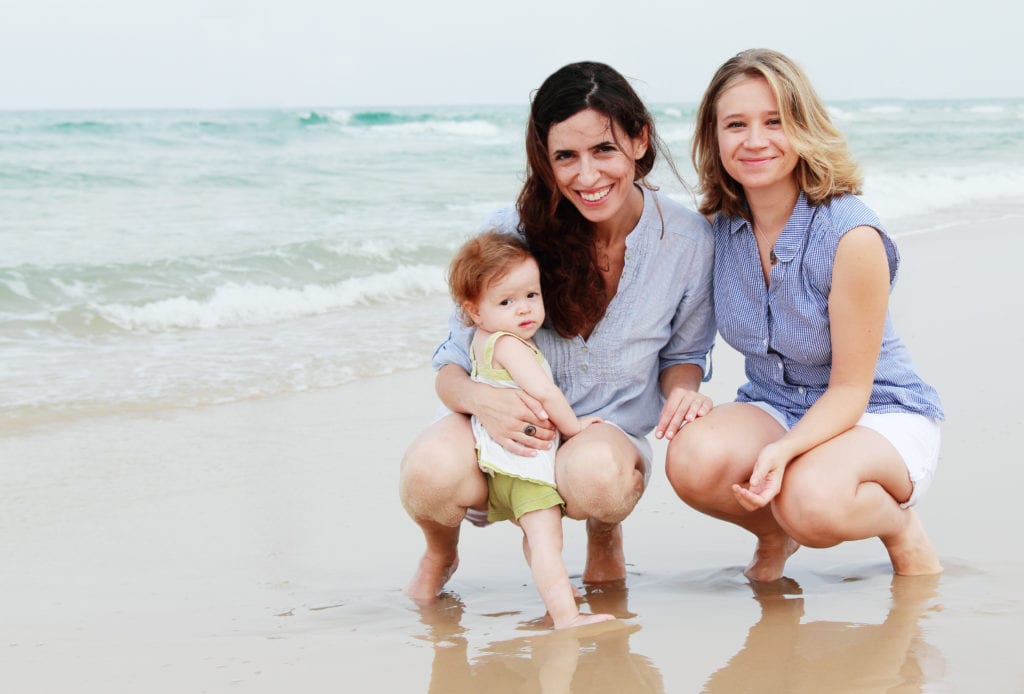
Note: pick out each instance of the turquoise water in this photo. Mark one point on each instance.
(155, 258)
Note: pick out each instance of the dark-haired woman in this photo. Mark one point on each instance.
(626, 276)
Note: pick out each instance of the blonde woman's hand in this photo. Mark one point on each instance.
(765, 479)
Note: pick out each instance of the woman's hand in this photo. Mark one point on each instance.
(505, 413)
(681, 406)
(765, 479)
(514, 419)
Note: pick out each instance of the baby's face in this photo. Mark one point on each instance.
(512, 303)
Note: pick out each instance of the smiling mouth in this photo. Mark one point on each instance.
(596, 196)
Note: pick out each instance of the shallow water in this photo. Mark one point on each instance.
(173, 258)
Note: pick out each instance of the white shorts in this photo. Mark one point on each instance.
(915, 437)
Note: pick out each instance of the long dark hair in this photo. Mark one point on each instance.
(559, 236)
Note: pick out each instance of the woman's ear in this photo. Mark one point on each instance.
(641, 142)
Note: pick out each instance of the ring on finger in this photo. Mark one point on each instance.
(529, 430)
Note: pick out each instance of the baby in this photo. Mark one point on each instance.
(496, 282)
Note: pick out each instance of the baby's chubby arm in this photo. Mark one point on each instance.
(522, 365)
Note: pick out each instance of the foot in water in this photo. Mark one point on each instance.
(770, 558)
(431, 575)
(911, 551)
(584, 619)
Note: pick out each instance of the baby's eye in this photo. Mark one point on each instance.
(504, 302)
(533, 295)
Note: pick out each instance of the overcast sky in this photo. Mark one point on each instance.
(345, 53)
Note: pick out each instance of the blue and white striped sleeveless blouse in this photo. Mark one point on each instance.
(783, 330)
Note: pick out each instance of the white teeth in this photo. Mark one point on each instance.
(594, 197)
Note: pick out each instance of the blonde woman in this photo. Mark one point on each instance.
(834, 437)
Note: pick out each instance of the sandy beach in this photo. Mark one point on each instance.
(261, 546)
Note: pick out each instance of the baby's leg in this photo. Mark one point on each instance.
(543, 531)
(526, 553)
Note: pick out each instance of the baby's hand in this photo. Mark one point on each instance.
(587, 421)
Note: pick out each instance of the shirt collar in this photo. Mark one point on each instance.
(649, 211)
(793, 233)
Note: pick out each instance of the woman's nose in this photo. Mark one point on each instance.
(755, 137)
(588, 173)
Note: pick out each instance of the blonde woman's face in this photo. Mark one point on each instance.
(751, 142)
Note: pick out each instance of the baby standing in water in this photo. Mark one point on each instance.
(496, 282)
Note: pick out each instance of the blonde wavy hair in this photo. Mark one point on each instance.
(825, 170)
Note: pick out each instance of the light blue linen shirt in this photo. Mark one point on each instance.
(661, 315)
(783, 331)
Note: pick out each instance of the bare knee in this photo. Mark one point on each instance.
(698, 465)
(439, 478)
(600, 487)
(809, 512)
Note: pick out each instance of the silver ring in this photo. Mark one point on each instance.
(529, 430)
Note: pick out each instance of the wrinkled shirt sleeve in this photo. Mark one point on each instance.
(693, 327)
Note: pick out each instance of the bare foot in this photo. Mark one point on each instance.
(605, 558)
(584, 619)
(431, 575)
(911, 551)
(770, 557)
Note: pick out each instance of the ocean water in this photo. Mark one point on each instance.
(177, 258)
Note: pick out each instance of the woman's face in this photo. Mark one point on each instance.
(751, 142)
(594, 163)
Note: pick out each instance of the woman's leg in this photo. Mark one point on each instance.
(707, 456)
(600, 475)
(439, 479)
(850, 488)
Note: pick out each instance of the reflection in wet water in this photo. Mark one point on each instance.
(781, 652)
(595, 659)
(783, 655)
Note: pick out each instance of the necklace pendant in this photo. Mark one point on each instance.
(772, 258)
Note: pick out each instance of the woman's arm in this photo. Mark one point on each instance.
(857, 306)
(684, 361)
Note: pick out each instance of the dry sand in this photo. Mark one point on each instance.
(261, 547)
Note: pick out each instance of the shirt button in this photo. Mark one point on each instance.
(800, 390)
(586, 349)
(780, 364)
(584, 367)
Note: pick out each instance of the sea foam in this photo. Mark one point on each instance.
(246, 304)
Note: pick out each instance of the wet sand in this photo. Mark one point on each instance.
(261, 547)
